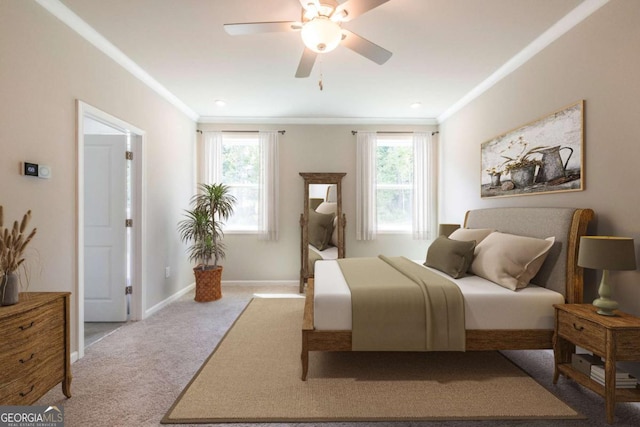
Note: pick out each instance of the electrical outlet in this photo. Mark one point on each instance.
(167, 272)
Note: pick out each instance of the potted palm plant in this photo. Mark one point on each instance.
(13, 242)
(203, 227)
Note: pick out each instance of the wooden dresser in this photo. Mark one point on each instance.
(34, 347)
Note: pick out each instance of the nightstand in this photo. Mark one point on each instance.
(614, 338)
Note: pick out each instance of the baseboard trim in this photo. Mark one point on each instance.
(192, 286)
(166, 302)
(260, 282)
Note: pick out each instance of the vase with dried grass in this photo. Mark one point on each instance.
(13, 242)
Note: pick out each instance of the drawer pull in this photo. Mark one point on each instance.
(578, 328)
(23, 394)
(26, 360)
(22, 328)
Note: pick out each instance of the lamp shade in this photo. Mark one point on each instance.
(447, 229)
(321, 34)
(607, 253)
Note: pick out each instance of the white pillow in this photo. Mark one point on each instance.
(510, 261)
(469, 234)
(327, 208)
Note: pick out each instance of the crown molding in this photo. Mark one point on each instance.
(318, 120)
(72, 20)
(570, 20)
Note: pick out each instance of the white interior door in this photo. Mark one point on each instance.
(105, 246)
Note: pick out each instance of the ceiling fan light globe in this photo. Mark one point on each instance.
(321, 34)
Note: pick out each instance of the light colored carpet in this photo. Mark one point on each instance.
(254, 376)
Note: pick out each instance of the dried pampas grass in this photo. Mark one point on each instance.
(13, 242)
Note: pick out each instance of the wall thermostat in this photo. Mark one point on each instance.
(30, 169)
(34, 169)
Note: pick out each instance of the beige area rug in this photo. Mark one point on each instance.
(254, 376)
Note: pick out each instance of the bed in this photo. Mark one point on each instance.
(513, 325)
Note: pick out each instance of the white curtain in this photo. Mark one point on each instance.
(268, 203)
(424, 186)
(366, 216)
(211, 166)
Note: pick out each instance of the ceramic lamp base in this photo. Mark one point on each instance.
(605, 304)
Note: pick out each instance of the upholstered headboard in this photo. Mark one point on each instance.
(559, 271)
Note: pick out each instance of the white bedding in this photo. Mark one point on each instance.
(331, 252)
(487, 305)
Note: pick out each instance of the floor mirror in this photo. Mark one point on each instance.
(322, 221)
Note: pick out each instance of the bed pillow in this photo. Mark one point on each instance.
(328, 208)
(320, 229)
(510, 261)
(452, 257)
(468, 234)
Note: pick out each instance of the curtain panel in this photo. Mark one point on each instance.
(269, 184)
(212, 158)
(424, 187)
(366, 215)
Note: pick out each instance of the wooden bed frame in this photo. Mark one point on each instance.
(476, 340)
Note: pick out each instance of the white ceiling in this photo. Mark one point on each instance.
(443, 50)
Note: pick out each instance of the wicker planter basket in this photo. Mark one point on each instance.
(208, 286)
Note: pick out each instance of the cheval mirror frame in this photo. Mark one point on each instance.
(323, 179)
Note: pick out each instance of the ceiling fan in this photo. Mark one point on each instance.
(321, 30)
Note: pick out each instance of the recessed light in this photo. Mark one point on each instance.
(220, 102)
(416, 105)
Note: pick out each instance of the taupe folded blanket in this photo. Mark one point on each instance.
(398, 305)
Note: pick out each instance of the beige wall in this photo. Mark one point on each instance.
(309, 148)
(44, 68)
(597, 61)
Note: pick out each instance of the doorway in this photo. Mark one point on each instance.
(109, 278)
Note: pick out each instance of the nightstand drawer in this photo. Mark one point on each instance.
(581, 332)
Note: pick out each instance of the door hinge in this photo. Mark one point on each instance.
(128, 290)
(128, 223)
(129, 155)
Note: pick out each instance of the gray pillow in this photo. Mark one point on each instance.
(320, 229)
(452, 257)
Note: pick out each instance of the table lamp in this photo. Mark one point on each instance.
(447, 229)
(606, 253)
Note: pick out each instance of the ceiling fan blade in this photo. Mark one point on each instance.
(364, 47)
(306, 63)
(352, 8)
(310, 3)
(246, 28)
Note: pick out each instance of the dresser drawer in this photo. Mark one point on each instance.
(581, 332)
(23, 326)
(19, 360)
(40, 377)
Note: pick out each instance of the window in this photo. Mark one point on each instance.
(248, 164)
(394, 182)
(241, 172)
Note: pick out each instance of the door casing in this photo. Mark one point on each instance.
(138, 136)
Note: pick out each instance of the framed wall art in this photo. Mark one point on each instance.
(542, 156)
